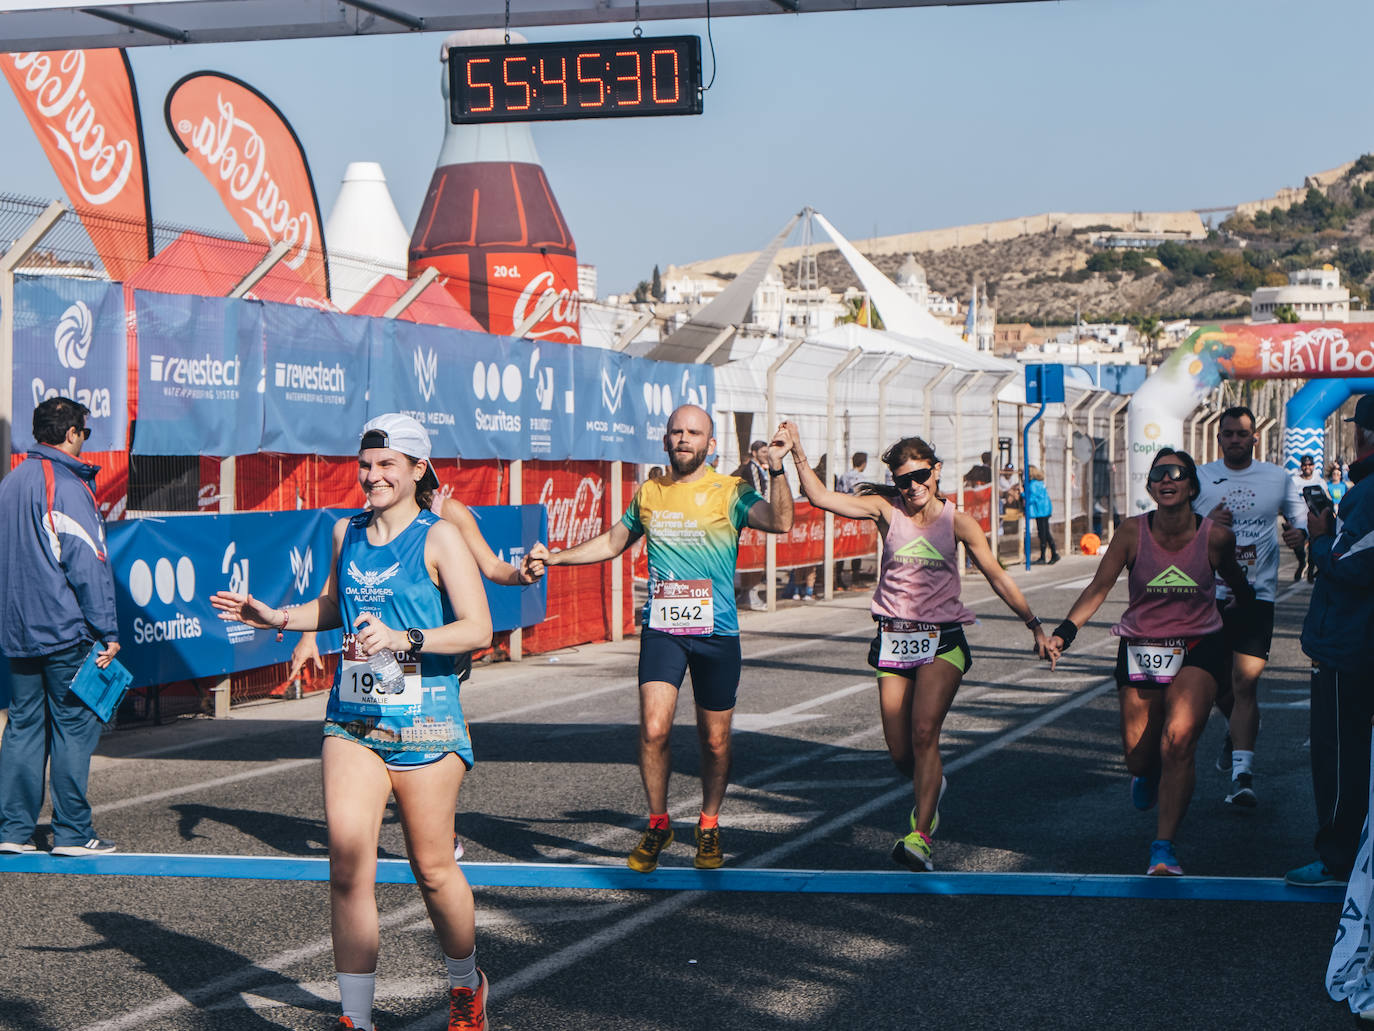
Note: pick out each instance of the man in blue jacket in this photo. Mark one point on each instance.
(56, 599)
(1336, 636)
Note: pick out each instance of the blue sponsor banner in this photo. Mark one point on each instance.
(200, 365)
(71, 340)
(315, 392)
(622, 403)
(511, 531)
(416, 369)
(489, 407)
(167, 569)
(550, 414)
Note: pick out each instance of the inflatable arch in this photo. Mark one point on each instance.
(1304, 418)
(1299, 350)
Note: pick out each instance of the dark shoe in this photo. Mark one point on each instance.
(94, 847)
(1054, 558)
(1242, 792)
(1313, 875)
(644, 858)
(709, 856)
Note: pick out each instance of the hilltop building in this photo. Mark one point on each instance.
(1315, 295)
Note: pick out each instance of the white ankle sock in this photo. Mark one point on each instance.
(355, 995)
(1241, 762)
(462, 973)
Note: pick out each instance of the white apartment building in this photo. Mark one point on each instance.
(1315, 294)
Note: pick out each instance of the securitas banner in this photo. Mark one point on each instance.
(252, 157)
(84, 109)
(315, 394)
(200, 364)
(166, 570)
(69, 341)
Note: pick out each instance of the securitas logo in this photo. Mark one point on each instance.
(167, 578)
(496, 383)
(314, 384)
(1173, 579)
(919, 552)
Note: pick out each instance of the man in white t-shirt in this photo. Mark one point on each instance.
(1306, 476)
(1248, 495)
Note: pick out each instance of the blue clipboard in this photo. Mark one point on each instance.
(101, 689)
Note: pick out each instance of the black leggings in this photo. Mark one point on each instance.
(1042, 531)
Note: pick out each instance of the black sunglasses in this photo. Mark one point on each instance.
(1168, 472)
(905, 480)
(85, 432)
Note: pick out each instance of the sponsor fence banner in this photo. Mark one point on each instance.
(200, 365)
(69, 341)
(315, 393)
(978, 503)
(250, 154)
(83, 106)
(166, 570)
(804, 544)
(411, 370)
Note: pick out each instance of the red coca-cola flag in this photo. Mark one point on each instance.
(84, 108)
(253, 159)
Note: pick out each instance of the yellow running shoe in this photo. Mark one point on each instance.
(913, 852)
(644, 858)
(709, 855)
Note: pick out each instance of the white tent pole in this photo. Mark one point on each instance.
(926, 395)
(1112, 414)
(830, 445)
(770, 541)
(959, 393)
(1069, 410)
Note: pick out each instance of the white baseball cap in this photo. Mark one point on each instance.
(404, 434)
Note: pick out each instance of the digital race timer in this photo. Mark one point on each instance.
(606, 78)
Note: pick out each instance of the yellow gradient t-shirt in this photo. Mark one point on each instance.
(692, 533)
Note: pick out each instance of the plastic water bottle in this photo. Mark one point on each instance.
(391, 679)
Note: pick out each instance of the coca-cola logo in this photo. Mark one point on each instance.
(234, 150)
(101, 167)
(575, 519)
(562, 306)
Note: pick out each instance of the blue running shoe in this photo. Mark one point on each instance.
(1145, 792)
(1163, 862)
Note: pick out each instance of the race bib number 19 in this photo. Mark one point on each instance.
(906, 644)
(682, 607)
(360, 692)
(1155, 661)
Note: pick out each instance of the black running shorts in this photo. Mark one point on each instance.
(714, 660)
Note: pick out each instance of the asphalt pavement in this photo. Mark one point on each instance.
(570, 939)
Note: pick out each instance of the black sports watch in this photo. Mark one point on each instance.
(416, 639)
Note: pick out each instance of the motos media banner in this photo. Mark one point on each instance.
(200, 364)
(250, 154)
(84, 108)
(69, 341)
(315, 389)
(621, 404)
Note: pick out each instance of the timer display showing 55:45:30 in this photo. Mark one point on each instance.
(590, 79)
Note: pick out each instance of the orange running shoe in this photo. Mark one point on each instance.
(467, 1009)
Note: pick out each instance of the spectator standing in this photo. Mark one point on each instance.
(1306, 476)
(1335, 636)
(980, 474)
(754, 471)
(1336, 487)
(57, 598)
(1039, 507)
(849, 484)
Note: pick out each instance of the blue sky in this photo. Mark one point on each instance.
(891, 121)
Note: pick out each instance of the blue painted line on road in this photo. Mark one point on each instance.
(804, 882)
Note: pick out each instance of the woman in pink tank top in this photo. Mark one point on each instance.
(920, 651)
(1171, 655)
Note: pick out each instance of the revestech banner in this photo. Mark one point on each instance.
(315, 394)
(69, 341)
(200, 364)
(166, 570)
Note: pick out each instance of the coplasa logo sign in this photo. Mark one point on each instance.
(72, 338)
(167, 578)
(491, 381)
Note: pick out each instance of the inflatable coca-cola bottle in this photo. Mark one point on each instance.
(491, 225)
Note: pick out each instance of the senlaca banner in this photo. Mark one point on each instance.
(315, 393)
(70, 341)
(200, 364)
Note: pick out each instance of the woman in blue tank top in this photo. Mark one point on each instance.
(402, 581)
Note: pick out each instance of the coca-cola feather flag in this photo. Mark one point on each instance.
(252, 157)
(84, 108)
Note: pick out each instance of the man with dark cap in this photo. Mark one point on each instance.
(1335, 636)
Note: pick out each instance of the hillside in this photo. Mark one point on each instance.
(1043, 276)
